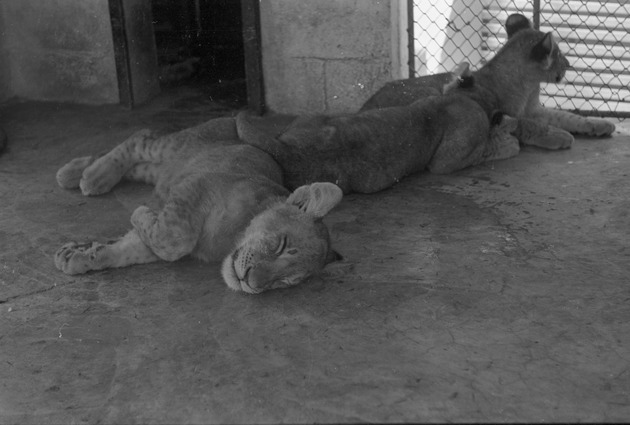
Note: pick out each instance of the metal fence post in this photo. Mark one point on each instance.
(411, 40)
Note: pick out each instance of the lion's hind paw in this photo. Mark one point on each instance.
(78, 258)
(69, 176)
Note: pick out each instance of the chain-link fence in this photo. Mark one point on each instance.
(593, 35)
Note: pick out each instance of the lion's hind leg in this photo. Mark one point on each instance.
(464, 139)
(536, 133)
(105, 172)
(77, 258)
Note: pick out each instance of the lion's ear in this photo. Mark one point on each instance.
(515, 23)
(461, 76)
(543, 51)
(316, 199)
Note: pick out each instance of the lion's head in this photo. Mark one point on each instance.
(541, 55)
(284, 244)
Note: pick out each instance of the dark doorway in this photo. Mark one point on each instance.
(212, 45)
(200, 42)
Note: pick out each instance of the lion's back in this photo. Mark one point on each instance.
(406, 91)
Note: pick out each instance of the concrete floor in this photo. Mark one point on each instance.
(499, 293)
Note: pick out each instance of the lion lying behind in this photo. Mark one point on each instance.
(372, 150)
(220, 201)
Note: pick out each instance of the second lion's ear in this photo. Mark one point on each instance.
(497, 118)
(515, 23)
(461, 77)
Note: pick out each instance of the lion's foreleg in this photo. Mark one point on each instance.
(169, 235)
(77, 258)
(535, 133)
(571, 122)
(172, 232)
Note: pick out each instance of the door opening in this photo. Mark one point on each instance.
(200, 43)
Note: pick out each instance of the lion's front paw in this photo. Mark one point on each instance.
(76, 258)
(599, 127)
(554, 138)
(559, 138)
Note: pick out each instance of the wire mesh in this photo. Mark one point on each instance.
(593, 35)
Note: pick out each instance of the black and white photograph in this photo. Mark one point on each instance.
(314, 211)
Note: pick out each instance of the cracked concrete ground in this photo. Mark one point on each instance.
(499, 293)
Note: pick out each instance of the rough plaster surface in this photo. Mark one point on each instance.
(496, 294)
(324, 56)
(59, 50)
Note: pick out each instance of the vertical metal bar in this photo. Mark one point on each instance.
(411, 40)
(537, 14)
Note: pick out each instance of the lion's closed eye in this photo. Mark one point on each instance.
(281, 245)
(284, 247)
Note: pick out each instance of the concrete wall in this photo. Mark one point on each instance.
(5, 78)
(58, 50)
(327, 55)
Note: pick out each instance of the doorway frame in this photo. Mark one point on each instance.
(252, 46)
(121, 53)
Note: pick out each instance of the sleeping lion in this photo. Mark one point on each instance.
(221, 201)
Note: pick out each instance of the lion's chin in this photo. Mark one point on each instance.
(229, 274)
